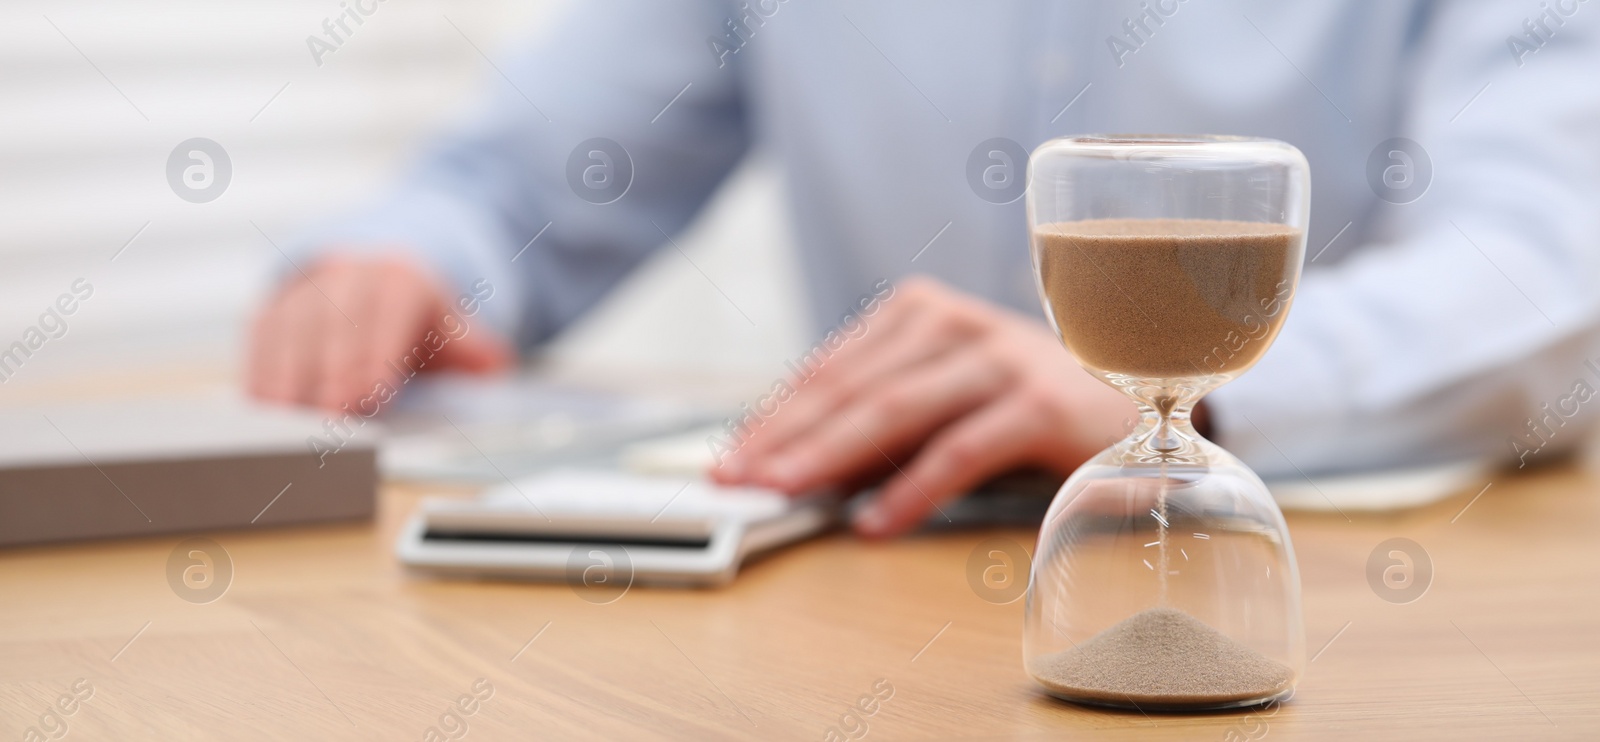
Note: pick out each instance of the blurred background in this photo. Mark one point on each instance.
(94, 96)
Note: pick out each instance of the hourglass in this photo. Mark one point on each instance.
(1164, 577)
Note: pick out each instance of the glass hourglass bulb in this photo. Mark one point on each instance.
(1164, 577)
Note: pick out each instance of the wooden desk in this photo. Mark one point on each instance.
(322, 636)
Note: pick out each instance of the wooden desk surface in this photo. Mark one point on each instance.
(321, 635)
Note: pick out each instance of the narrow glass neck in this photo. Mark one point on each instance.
(1165, 433)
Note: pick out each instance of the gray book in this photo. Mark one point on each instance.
(157, 466)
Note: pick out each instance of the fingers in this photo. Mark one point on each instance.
(908, 301)
(345, 292)
(888, 420)
(329, 336)
(400, 314)
(995, 439)
(284, 346)
(474, 347)
(260, 361)
(878, 360)
(973, 389)
(815, 397)
(478, 353)
(923, 338)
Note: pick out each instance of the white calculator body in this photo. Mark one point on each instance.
(554, 526)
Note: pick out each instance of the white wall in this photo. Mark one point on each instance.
(83, 155)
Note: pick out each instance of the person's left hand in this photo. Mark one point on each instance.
(943, 392)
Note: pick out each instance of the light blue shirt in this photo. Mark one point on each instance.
(1423, 331)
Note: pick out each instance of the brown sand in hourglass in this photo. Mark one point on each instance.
(1162, 657)
(1167, 298)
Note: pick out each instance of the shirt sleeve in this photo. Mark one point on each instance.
(596, 142)
(1463, 329)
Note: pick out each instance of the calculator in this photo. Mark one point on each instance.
(562, 525)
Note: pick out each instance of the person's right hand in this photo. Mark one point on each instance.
(328, 337)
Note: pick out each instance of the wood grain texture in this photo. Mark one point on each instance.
(322, 635)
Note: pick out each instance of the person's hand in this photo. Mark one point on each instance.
(329, 337)
(942, 392)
